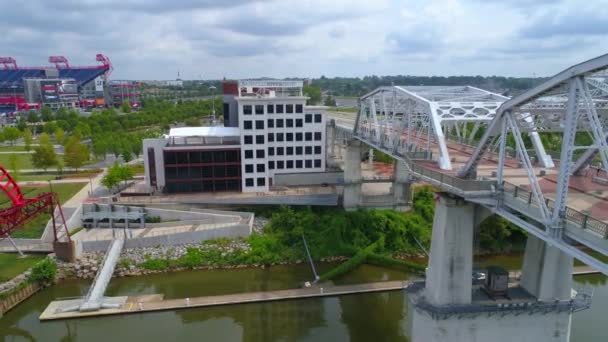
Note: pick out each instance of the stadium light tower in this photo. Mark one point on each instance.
(213, 88)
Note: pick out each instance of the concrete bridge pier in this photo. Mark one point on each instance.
(402, 186)
(351, 197)
(447, 308)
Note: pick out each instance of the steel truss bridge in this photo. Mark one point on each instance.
(403, 121)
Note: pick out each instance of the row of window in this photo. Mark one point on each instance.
(272, 109)
(261, 181)
(281, 151)
(284, 164)
(279, 137)
(280, 123)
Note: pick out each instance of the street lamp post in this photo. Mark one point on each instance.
(213, 88)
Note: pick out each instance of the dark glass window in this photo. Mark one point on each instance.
(289, 123)
(270, 123)
(248, 168)
(247, 109)
(271, 151)
(299, 136)
(248, 181)
(308, 136)
(271, 165)
(248, 154)
(259, 124)
(308, 164)
(308, 118)
(279, 123)
(280, 136)
(298, 164)
(248, 124)
(289, 136)
(299, 108)
(299, 123)
(289, 151)
(317, 149)
(317, 136)
(280, 165)
(261, 181)
(279, 109)
(260, 168)
(259, 153)
(308, 150)
(269, 109)
(317, 162)
(248, 139)
(270, 137)
(289, 109)
(280, 151)
(259, 109)
(298, 150)
(290, 164)
(318, 118)
(259, 139)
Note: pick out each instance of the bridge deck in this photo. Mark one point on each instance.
(139, 304)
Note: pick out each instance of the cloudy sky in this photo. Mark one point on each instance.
(152, 39)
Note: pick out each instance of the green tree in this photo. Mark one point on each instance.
(50, 127)
(329, 101)
(59, 135)
(44, 139)
(110, 180)
(44, 156)
(126, 156)
(313, 93)
(27, 139)
(76, 153)
(125, 107)
(46, 114)
(11, 134)
(33, 117)
(13, 163)
(193, 122)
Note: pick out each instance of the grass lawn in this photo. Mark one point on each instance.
(12, 149)
(343, 109)
(34, 229)
(24, 161)
(12, 265)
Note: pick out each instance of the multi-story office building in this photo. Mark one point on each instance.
(277, 133)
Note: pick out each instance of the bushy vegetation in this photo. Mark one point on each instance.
(44, 271)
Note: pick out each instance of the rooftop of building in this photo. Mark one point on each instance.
(207, 131)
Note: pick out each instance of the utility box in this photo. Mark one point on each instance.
(497, 281)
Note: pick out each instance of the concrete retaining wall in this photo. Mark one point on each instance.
(14, 299)
(308, 179)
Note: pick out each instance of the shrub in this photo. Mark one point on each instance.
(44, 271)
(156, 264)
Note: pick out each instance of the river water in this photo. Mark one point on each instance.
(365, 317)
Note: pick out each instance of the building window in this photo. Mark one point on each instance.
(269, 109)
(259, 139)
(280, 151)
(317, 163)
(259, 124)
(248, 168)
(317, 149)
(280, 165)
(318, 118)
(299, 136)
(299, 123)
(289, 151)
(290, 164)
(289, 136)
(271, 165)
(279, 109)
(270, 123)
(270, 137)
(279, 123)
(259, 153)
(308, 150)
(299, 108)
(247, 109)
(248, 154)
(317, 136)
(308, 136)
(298, 164)
(308, 118)
(259, 109)
(279, 136)
(261, 181)
(308, 164)
(298, 150)
(248, 181)
(289, 123)
(248, 139)
(248, 124)
(261, 168)
(289, 108)
(271, 151)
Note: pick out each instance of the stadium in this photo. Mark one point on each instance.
(61, 84)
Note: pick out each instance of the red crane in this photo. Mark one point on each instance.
(23, 209)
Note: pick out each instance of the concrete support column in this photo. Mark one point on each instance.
(448, 277)
(546, 271)
(331, 140)
(402, 185)
(371, 157)
(352, 175)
